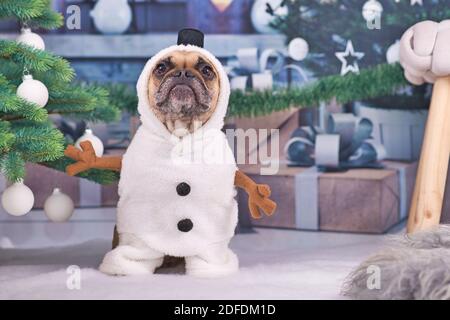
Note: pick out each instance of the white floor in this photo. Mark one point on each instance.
(275, 264)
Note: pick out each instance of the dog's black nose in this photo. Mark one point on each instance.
(188, 74)
(185, 225)
(183, 74)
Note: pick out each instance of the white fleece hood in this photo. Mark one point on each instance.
(160, 185)
(149, 119)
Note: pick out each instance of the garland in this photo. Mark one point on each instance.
(381, 80)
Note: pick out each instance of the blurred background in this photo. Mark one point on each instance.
(272, 50)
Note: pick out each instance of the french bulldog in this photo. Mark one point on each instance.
(183, 91)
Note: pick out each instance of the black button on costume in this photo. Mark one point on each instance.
(185, 225)
(183, 189)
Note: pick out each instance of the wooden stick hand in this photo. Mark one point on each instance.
(86, 159)
(258, 195)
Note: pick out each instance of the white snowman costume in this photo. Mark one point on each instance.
(169, 184)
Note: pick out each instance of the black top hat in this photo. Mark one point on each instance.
(191, 36)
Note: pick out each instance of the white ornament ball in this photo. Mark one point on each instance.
(112, 17)
(261, 19)
(33, 91)
(17, 199)
(31, 39)
(393, 52)
(298, 49)
(97, 144)
(6, 243)
(372, 9)
(58, 207)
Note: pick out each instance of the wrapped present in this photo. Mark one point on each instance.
(346, 143)
(400, 131)
(250, 69)
(357, 200)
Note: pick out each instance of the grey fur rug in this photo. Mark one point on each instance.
(413, 267)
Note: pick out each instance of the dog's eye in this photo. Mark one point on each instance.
(207, 71)
(161, 68)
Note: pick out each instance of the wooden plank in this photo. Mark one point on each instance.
(363, 205)
(146, 45)
(428, 197)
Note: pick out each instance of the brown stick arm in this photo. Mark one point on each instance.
(258, 195)
(86, 159)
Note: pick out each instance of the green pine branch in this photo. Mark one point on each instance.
(35, 13)
(23, 10)
(38, 62)
(85, 102)
(26, 132)
(48, 19)
(6, 136)
(13, 166)
(37, 142)
(123, 96)
(381, 80)
(13, 107)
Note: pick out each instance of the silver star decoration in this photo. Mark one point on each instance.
(349, 51)
(419, 2)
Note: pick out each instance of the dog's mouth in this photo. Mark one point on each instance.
(182, 92)
(182, 99)
(183, 104)
(175, 99)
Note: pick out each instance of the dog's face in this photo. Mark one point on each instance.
(183, 90)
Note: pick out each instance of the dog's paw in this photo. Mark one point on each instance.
(120, 262)
(199, 267)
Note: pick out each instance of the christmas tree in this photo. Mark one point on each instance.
(27, 72)
(328, 25)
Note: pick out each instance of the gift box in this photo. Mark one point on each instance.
(272, 121)
(400, 131)
(357, 200)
